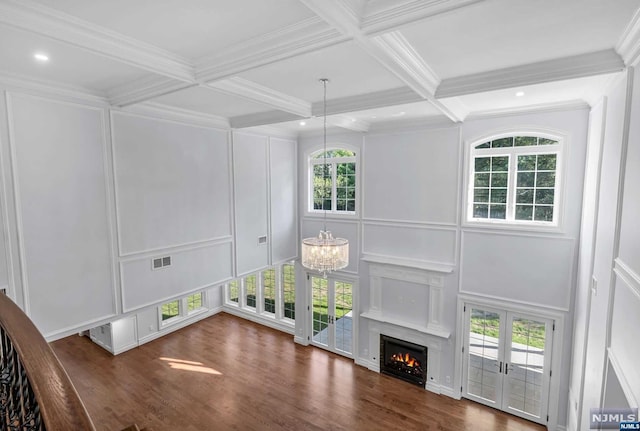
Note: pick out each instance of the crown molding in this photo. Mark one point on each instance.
(304, 36)
(168, 112)
(378, 99)
(383, 19)
(19, 82)
(145, 89)
(33, 17)
(339, 14)
(237, 86)
(629, 44)
(531, 109)
(590, 64)
(262, 119)
(394, 52)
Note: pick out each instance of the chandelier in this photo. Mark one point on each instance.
(325, 253)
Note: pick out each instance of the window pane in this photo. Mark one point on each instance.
(485, 145)
(502, 143)
(322, 187)
(289, 290)
(526, 163)
(546, 162)
(170, 309)
(234, 291)
(544, 196)
(544, 141)
(526, 179)
(481, 180)
(524, 196)
(351, 205)
(481, 211)
(499, 196)
(194, 302)
(523, 141)
(483, 164)
(481, 195)
(498, 211)
(499, 179)
(250, 290)
(546, 179)
(500, 164)
(544, 213)
(524, 212)
(269, 290)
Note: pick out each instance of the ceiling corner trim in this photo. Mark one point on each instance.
(629, 44)
(339, 14)
(145, 89)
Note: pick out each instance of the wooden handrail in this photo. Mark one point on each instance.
(57, 402)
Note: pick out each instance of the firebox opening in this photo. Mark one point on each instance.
(404, 360)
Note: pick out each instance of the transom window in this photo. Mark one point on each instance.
(333, 185)
(515, 179)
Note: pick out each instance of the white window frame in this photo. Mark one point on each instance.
(259, 310)
(512, 152)
(333, 161)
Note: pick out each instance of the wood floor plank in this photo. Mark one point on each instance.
(226, 373)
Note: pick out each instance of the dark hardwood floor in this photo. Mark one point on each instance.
(226, 373)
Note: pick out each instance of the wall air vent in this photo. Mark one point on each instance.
(160, 262)
(262, 239)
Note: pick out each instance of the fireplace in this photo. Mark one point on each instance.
(402, 359)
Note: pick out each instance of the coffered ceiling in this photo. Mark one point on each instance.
(246, 63)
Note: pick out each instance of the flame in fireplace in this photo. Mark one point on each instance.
(406, 359)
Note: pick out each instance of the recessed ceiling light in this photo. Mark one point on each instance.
(303, 123)
(399, 114)
(42, 58)
(373, 116)
(520, 94)
(353, 120)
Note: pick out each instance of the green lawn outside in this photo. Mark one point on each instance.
(524, 331)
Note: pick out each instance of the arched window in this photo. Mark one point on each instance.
(515, 179)
(332, 181)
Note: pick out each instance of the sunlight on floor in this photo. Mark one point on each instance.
(198, 367)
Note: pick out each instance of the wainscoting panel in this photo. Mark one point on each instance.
(58, 157)
(189, 270)
(172, 183)
(417, 242)
(505, 265)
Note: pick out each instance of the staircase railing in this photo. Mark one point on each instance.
(35, 390)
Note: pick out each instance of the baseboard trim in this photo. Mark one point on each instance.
(271, 323)
(180, 325)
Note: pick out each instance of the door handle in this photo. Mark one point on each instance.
(506, 369)
(501, 366)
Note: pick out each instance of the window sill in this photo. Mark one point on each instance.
(513, 226)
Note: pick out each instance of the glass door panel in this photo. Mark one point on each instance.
(320, 307)
(343, 316)
(483, 371)
(526, 367)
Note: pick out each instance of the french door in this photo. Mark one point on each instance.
(507, 359)
(332, 314)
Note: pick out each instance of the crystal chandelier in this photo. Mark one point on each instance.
(325, 253)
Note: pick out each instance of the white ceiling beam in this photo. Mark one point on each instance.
(629, 44)
(305, 36)
(261, 119)
(590, 64)
(384, 18)
(173, 113)
(339, 13)
(145, 89)
(254, 92)
(346, 122)
(33, 17)
(378, 99)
